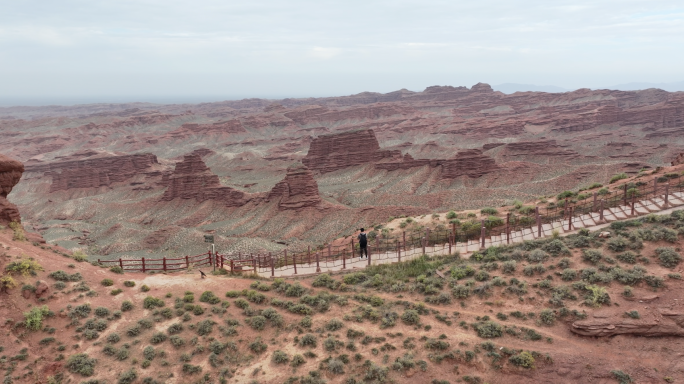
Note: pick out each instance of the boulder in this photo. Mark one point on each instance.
(42, 288)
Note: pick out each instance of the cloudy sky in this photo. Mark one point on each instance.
(204, 50)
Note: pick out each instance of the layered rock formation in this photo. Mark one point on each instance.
(471, 163)
(92, 169)
(679, 159)
(666, 322)
(297, 190)
(192, 179)
(10, 173)
(329, 153)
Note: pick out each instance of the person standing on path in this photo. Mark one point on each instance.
(363, 244)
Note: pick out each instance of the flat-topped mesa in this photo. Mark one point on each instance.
(329, 153)
(297, 190)
(192, 179)
(10, 173)
(100, 170)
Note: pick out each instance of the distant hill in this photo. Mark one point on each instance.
(670, 87)
(509, 88)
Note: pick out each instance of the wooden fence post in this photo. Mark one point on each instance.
(120, 263)
(450, 244)
(270, 256)
(164, 261)
(344, 258)
(624, 195)
(601, 211)
(308, 254)
(399, 251)
(404, 237)
(330, 252)
(232, 266)
(143, 265)
(667, 194)
(655, 186)
(539, 224)
(187, 262)
(508, 228)
(594, 207)
(482, 234)
(633, 204)
(570, 219)
(318, 265)
(352, 249)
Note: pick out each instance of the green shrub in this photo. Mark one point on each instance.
(633, 314)
(308, 340)
(191, 369)
(177, 341)
(241, 303)
(149, 353)
(667, 257)
(411, 317)
(152, 302)
(280, 357)
(209, 297)
(107, 282)
(145, 288)
(547, 317)
(627, 257)
(488, 329)
(592, 255)
(257, 346)
(113, 338)
(523, 359)
(257, 322)
(129, 283)
(334, 325)
(233, 294)
(158, 337)
(126, 306)
(63, 276)
(115, 292)
(597, 296)
(117, 269)
(82, 364)
(622, 377)
(618, 177)
(204, 327)
(489, 211)
(33, 319)
(101, 312)
(297, 360)
(80, 311)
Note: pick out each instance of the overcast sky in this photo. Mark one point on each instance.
(139, 50)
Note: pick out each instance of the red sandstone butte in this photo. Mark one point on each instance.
(192, 179)
(329, 153)
(297, 190)
(10, 173)
(92, 169)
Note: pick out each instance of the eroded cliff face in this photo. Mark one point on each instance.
(10, 173)
(192, 179)
(329, 153)
(91, 169)
(297, 190)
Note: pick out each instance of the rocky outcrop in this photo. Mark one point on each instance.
(538, 148)
(679, 159)
(471, 163)
(92, 169)
(329, 153)
(10, 173)
(297, 190)
(192, 179)
(666, 322)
